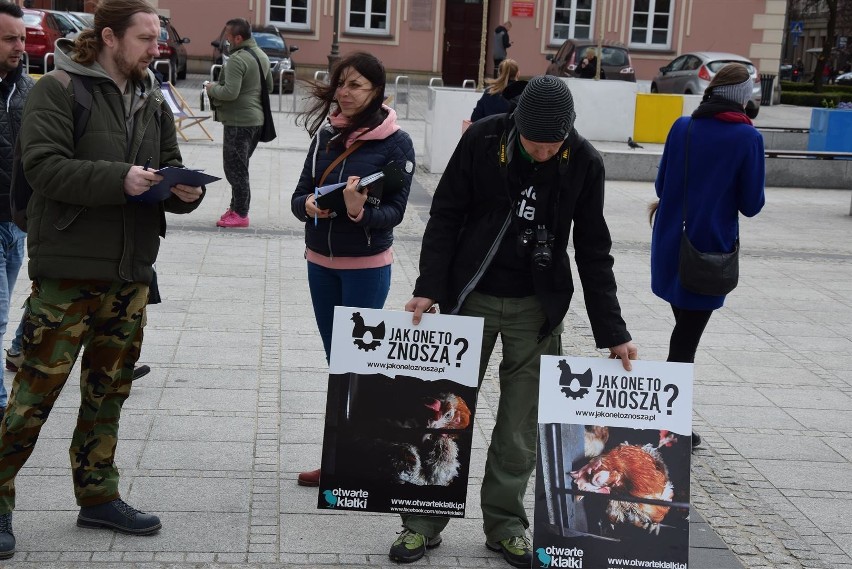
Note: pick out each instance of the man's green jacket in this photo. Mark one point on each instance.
(236, 97)
(81, 224)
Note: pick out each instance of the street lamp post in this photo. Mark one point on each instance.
(335, 51)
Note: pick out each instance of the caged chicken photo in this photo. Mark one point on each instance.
(402, 431)
(614, 484)
(622, 463)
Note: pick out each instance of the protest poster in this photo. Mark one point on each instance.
(399, 413)
(612, 475)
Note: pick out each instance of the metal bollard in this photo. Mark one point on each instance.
(26, 63)
(48, 57)
(292, 76)
(321, 75)
(215, 69)
(469, 84)
(402, 97)
(436, 82)
(168, 64)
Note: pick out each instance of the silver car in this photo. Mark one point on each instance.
(690, 73)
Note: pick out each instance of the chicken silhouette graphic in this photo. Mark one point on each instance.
(543, 558)
(367, 338)
(330, 498)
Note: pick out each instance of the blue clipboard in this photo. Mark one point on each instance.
(172, 176)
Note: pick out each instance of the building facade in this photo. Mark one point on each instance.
(452, 39)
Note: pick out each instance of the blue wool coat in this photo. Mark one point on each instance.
(726, 176)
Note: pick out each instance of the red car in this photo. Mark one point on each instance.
(42, 32)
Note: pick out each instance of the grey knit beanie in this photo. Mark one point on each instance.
(545, 111)
(739, 93)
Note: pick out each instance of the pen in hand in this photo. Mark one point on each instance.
(147, 164)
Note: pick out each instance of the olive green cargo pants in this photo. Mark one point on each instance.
(511, 454)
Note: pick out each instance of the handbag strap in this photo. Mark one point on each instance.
(686, 187)
(686, 173)
(264, 95)
(339, 159)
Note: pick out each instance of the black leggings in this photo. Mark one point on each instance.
(689, 325)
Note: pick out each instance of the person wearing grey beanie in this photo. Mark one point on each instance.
(496, 247)
(545, 111)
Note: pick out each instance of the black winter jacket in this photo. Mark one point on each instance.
(13, 93)
(340, 236)
(472, 210)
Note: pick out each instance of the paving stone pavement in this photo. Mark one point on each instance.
(213, 438)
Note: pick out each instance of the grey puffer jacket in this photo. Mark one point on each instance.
(14, 89)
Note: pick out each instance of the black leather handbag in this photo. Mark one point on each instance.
(267, 131)
(712, 274)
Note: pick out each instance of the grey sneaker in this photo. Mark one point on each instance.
(411, 546)
(517, 550)
(7, 538)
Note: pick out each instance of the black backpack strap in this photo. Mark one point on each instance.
(82, 98)
(83, 103)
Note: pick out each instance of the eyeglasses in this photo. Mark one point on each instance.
(351, 87)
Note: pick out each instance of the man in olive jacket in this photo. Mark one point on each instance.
(236, 99)
(93, 238)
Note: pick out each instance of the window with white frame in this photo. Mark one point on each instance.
(368, 16)
(572, 19)
(651, 25)
(290, 14)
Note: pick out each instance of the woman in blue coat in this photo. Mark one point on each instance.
(725, 178)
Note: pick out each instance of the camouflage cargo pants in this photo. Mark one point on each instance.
(63, 316)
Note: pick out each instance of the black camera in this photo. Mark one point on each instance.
(542, 239)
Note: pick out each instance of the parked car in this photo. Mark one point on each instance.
(271, 42)
(843, 79)
(69, 26)
(42, 32)
(615, 60)
(691, 73)
(172, 48)
(87, 18)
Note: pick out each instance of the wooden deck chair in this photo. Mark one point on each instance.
(184, 117)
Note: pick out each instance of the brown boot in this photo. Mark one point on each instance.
(310, 478)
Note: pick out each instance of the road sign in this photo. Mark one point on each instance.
(797, 27)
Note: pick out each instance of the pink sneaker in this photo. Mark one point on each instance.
(233, 220)
(227, 213)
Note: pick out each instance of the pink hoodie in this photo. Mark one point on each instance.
(381, 132)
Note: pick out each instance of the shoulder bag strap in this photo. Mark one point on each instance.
(339, 159)
(263, 90)
(686, 172)
(685, 187)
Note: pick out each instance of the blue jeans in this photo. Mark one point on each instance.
(18, 341)
(359, 288)
(12, 242)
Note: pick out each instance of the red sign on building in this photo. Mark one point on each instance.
(523, 9)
